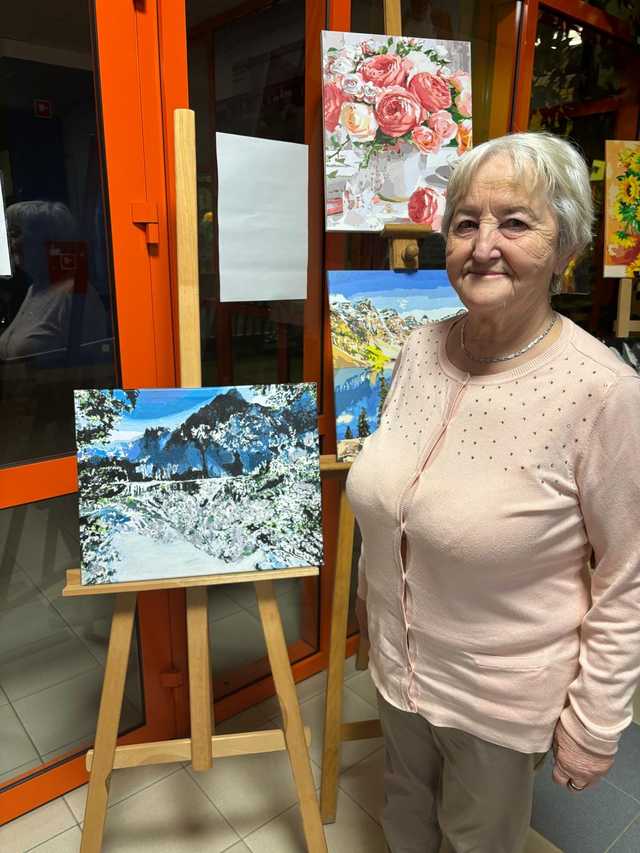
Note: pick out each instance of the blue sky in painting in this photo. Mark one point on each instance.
(405, 292)
(168, 407)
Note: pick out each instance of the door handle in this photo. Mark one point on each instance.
(145, 214)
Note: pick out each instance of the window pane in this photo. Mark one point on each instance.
(52, 649)
(575, 63)
(580, 91)
(626, 10)
(56, 321)
(246, 76)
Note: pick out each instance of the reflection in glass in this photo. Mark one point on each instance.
(581, 84)
(56, 325)
(258, 70)
(573, 64)
(626, 10)
(367, 16)
(52, 649)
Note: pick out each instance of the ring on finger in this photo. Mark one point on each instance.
(570, 784)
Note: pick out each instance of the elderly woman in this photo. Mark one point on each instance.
(505, 461)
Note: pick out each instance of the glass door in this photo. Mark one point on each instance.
(253, 69)
(247, 76)
(87, 305)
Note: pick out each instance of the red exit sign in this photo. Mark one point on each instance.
(42, 108)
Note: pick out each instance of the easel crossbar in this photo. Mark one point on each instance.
(75, 587)
(222, 746)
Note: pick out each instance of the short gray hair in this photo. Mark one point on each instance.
(50, 220)
(558, 169)
(38, 223)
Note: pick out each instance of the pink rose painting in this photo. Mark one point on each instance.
(384, 70)
(426, 207)
(397, 117)
(397, 111)
(432, 90)
(333, 99)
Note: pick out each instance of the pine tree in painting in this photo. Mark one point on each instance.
(363, 424)
(347, 433)
(383, 391)
(201, 437)
(98, 411)
(100, 483)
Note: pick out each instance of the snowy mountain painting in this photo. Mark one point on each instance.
(372, 314)
(180, 482)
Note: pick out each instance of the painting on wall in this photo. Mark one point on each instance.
(622, 209)
(397, 116)
(372, 314)
(181, 482)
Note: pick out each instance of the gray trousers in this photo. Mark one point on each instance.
(446, 787)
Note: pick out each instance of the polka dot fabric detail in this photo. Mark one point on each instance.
(491, 480)
(533, 423)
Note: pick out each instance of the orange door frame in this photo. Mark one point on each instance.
(128, 97)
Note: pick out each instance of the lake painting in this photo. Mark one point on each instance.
(181, 482)
(372, 314)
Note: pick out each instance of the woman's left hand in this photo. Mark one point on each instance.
(574, 764)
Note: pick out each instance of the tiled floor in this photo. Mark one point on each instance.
(247, 805)
(51, 660)
(53, 649)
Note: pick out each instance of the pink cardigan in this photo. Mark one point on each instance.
(504, 486)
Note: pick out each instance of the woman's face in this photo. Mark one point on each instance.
(501, 247)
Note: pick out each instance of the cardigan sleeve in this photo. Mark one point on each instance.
(600, 699)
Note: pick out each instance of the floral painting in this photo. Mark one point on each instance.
(622, 215)
(397, 116)
(372, 314)
(182, 482)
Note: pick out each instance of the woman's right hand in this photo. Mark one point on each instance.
(361, 616)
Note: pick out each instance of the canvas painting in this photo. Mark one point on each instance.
(372, 314)
(180, 482)
(622, 209)
(397, 116)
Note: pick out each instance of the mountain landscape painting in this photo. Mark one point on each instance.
(372, 314)
(182, 482)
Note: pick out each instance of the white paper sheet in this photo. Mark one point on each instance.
(5, 263)
(262, 218)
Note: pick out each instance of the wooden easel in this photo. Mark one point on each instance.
(202, 746)
(335, 731)
(403, 255)
(628, 301)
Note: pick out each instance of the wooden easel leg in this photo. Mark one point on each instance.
(293, 728)
(108, 719)
(335, 675)
(200, 700)
(625, 289)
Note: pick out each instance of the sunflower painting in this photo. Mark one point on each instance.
(622, 221)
